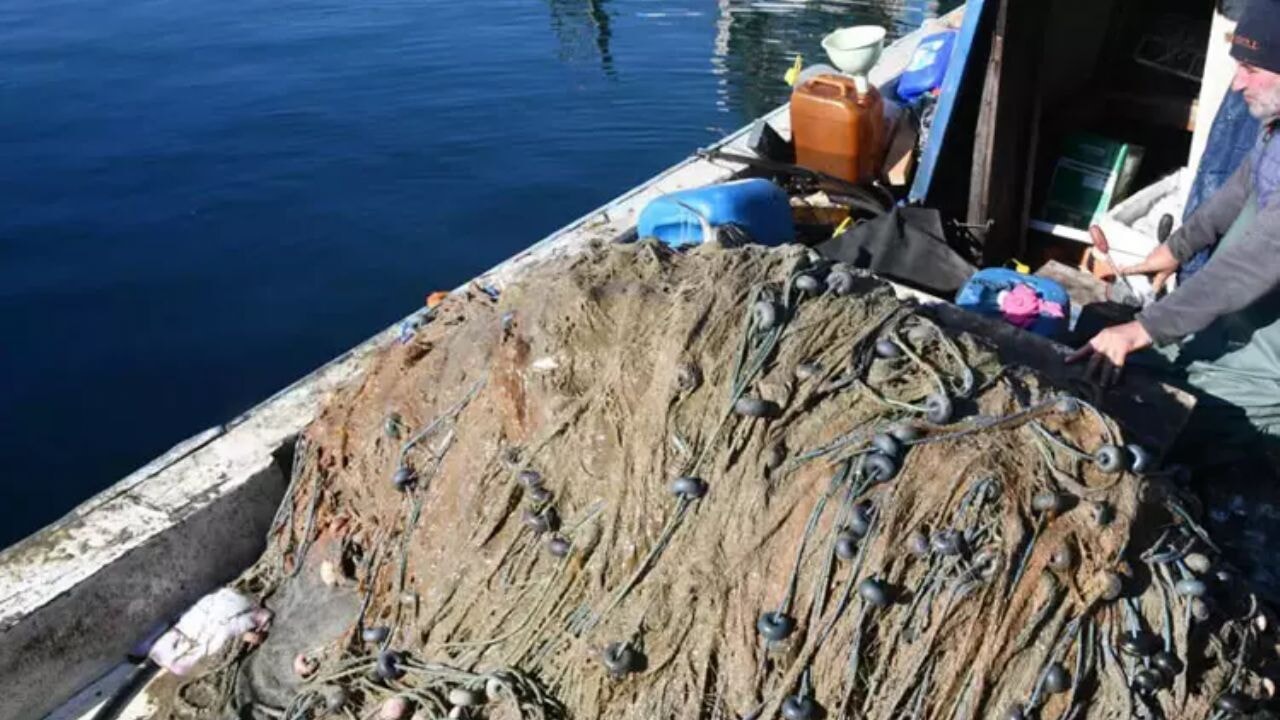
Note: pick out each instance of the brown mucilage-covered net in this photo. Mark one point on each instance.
(726, 484)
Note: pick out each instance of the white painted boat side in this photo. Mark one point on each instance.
(77, 595)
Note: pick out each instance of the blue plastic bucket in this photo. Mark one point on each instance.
(755, 205)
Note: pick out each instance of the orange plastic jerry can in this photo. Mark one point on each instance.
(838, 130)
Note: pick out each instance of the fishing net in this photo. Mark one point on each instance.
(725, 484)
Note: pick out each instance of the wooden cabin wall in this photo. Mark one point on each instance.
(1042, 54)
(1008, 122)
(1052, 68)
(1074, 43)
(1093, 84)
(1114, 96)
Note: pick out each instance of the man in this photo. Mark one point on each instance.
(1232, 306)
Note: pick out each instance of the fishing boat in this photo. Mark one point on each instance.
(81, 597)
(78, 596)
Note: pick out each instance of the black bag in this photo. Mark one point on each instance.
(906, 244)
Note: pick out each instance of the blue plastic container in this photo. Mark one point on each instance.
(755, 205)
(928, 65)
(980, 295)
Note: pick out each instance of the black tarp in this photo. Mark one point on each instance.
(907, 244)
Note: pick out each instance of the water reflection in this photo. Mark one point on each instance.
(757, 40)
(583, 23)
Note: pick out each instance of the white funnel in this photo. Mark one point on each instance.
(855, 50)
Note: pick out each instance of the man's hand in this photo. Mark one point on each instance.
(1160, 264)
(1108, 349)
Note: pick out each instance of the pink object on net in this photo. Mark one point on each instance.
(1020, 306)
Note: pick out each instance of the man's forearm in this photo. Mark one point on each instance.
(1236, 277)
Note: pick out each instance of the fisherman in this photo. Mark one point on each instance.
(1226, 316)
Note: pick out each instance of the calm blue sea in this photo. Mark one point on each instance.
(202, 201)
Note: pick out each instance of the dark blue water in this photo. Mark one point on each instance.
(202, 201)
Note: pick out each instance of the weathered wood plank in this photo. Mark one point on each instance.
(1008, 128)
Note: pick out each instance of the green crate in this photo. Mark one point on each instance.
(1092, 174)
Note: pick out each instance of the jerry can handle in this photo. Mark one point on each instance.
(823, 80)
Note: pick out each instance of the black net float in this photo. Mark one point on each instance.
(938, 409)
(775, 626)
